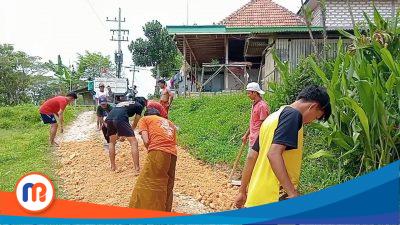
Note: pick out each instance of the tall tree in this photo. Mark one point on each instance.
(42, 87)
(16, 68)
(94, 65)
(322, 5)
(157, 50)
(307, 13)
(68, 79)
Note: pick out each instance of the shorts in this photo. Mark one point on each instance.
(48, 119)
(121, 128)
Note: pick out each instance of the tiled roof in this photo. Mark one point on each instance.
(262, 13)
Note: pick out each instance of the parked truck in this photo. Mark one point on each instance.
(119, 87)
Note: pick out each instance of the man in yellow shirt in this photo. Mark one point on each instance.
(277, 165)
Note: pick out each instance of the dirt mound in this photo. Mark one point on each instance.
(85, 175)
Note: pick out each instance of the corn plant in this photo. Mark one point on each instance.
(364, 88)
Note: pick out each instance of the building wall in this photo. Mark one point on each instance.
(338, 15)
(233, 83)
(316, 20)
(253, 75)
(293, 51)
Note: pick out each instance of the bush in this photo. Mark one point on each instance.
(291, 83)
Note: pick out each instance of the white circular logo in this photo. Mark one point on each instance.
(34, 192)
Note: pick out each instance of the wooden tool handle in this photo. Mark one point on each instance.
(236, 161)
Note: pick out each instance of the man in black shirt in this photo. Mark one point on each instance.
(103, 109)
(118, 127)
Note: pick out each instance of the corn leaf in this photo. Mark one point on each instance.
(319, 154)
(361, 115)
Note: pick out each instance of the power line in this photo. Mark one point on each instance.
(97, 15)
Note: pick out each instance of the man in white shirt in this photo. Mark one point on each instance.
(100, 93)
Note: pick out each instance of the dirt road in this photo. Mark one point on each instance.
(84, 172)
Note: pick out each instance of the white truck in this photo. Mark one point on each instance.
(119, 87)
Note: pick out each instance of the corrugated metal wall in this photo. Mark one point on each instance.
(293, 51)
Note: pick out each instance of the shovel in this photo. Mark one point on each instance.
(236, 161)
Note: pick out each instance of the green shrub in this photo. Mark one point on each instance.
(364, 87)
(291, 83)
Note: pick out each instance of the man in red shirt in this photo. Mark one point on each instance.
(159, 107)
(55, 107)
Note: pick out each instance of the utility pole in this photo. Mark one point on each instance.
(121, 37)
(187, 12)
(133, 70)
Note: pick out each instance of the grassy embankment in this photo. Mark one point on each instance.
(211, 127)
(24, 143)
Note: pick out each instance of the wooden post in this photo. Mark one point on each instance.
(195, 76)
(245, 77)
(157, 88)
(201, 80)
(184, 66)
(190, 72)
(226, 75)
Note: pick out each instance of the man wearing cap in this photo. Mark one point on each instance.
(259, 111)
(103, 109)
(55, 107)
(99, 93)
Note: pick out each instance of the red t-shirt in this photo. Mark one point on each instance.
(159, 107)
(53, 105)
(259, 113)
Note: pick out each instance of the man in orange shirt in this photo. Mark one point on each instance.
(52, 108)
(153, 188)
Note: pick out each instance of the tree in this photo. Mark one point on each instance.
(68, 79)
(16, 68)
(307, 13)
(322, 5)
(157, 50)
(42, 87)
(94, 65)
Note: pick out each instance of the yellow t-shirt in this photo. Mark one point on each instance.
(264, 186)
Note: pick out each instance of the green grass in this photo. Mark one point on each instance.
(211, 128)
(24, 143)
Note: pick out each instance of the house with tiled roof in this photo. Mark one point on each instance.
(262, 13)
(238, 50)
